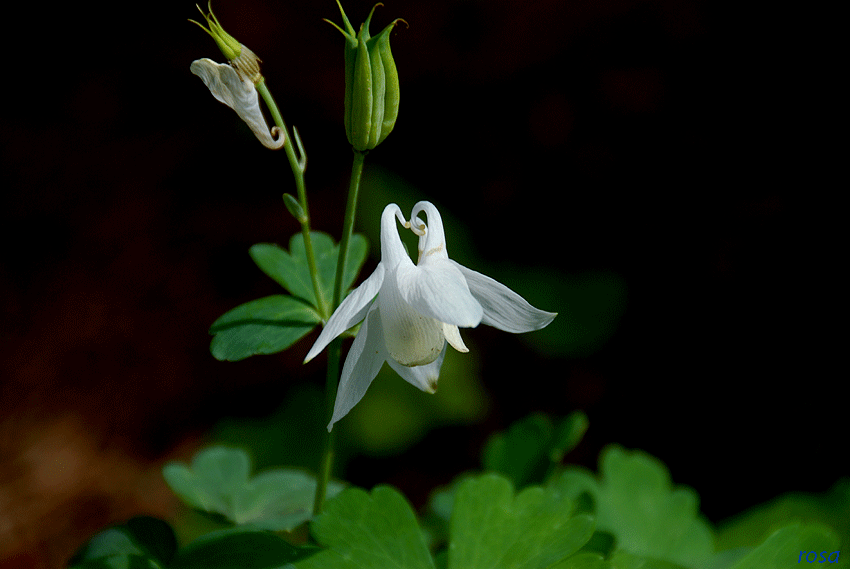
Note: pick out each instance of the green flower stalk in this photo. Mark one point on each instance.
(371, 83)
(243, 60)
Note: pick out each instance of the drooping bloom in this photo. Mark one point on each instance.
(241, 96)
(417, 311)
(234, 84)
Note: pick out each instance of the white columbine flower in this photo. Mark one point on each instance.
(240, 95)
(417, 310)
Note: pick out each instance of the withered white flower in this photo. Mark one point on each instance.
(240, 95)
(417, 311)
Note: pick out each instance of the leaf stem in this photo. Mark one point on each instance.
(334, 350)
(298, 165)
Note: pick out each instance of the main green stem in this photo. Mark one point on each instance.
(334, 350)
(298, 167)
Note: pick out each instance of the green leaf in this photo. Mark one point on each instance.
(635, 502)
(368, 531)
(490, 527)
(287, 271)
(291, 271)
(583, 561)
(142, 542)
(219, 483)
(783, 548)
(272, 324)
(568, 434)
(278, 499)
(155, 535)
(626, 560)
(530, 448)
(238, 548)
(521, 452)
(752, 527)
(327, 259)
(212, 482)
(263, 326)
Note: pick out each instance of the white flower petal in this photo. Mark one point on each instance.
(364, 361)
(503, 308)
(411, 338)
(424, 377)
(432, 245)
(350, 311)
(452, 335)
(392, 249)
(438, 289)
(241, 96)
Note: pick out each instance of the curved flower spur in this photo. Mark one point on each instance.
(417, 311)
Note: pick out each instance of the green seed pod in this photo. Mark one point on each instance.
(390, 83)
(362, 99)
(371, 84)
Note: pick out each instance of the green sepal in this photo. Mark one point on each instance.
(350, 58)
(350, 53)
(229, 46)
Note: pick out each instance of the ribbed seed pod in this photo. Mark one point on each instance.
(371, 84)
(391, 89)
(361, 99)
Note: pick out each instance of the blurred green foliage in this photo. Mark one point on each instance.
(634, 501)
(532, 447)
(361, 530)
(830, 508)
(141, 542)
(395, 415)
(539, 514)
(219, 483)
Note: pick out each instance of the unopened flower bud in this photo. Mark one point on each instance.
(243, 60)
(371, 83)
(295, 208)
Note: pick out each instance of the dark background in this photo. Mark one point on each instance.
(663, 142)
